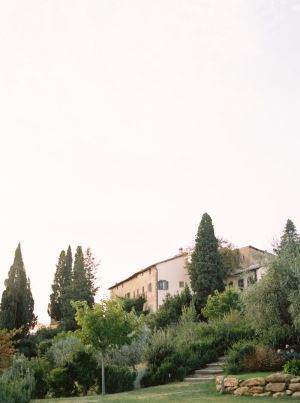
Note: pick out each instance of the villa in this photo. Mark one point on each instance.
(171, 275)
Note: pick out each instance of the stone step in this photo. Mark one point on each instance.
(198, 378)
(207, 371)
(220, 363)
(215, 366)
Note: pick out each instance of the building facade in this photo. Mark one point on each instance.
(253, 266)
(171, 275)
(155, 282)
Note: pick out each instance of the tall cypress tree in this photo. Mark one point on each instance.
(289, 241)
(55, 310)
(91, 266)
(206, 269)
(78, 285)
(68, 320)
(81, 289)
(17, 303)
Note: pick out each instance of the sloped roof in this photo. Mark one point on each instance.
(147, 268)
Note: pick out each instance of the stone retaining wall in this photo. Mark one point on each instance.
(273, 385)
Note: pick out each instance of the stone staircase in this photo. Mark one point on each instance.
(208, 373)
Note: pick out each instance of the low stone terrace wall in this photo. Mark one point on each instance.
(276, 385)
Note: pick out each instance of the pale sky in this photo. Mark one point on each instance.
(122, 122)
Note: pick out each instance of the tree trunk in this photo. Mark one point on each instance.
(103, 374)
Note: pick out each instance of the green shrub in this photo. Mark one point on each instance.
(43, 347)
(171, 309)
(64, 347)
(30, 345)
(40, 368)
(221, 303)
(174, 352)
(61, 382)
(132, 354)
(292, 367)
(160, 348)
(237, 354)
(247, 356)
(84, 370)
(17, 383)
(117, 379)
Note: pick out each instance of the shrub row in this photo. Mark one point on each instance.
(34, 378)
(178, 350)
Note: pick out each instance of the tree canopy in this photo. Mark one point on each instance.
(206, 269)
(221, 303)
(17, 304)
(273, 303)
(105, 326)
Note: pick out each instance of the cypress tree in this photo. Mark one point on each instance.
(17, 304)
(67, 319)
(289, 241)
(58, 289)
(206, 269)
(81, 287)
(91, 273)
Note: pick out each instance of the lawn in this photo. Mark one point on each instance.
(177, 392)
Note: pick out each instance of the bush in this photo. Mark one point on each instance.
(84, 370)
(7, 348)
(171, 309)
(132, 354)
(247, 355)
(30, 345)
(173, 353)
(117, 379)
(61, 382)
(292, 367)
(63, 349)
(237, 354)
(263, 359)
(17, 383)
(134, 303)
(222, 303)
(160, 348)
(40, 368)
(272, 303)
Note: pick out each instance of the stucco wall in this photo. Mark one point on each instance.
(250, 256)
(172, 271)
(139, 285)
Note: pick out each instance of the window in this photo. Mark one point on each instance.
(143, 290)
(230, 284)
(181, 284)
(150, 287)
(241, 283)
(163, 285)
(127, 295)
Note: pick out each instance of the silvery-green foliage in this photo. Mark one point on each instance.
(133, 353)
(273, 304)
(63, 349)
(17, 383)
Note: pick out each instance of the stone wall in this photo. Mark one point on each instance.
(275, 385)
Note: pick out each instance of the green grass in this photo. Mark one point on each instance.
(182, 392)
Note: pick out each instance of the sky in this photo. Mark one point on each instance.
(122, 122)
